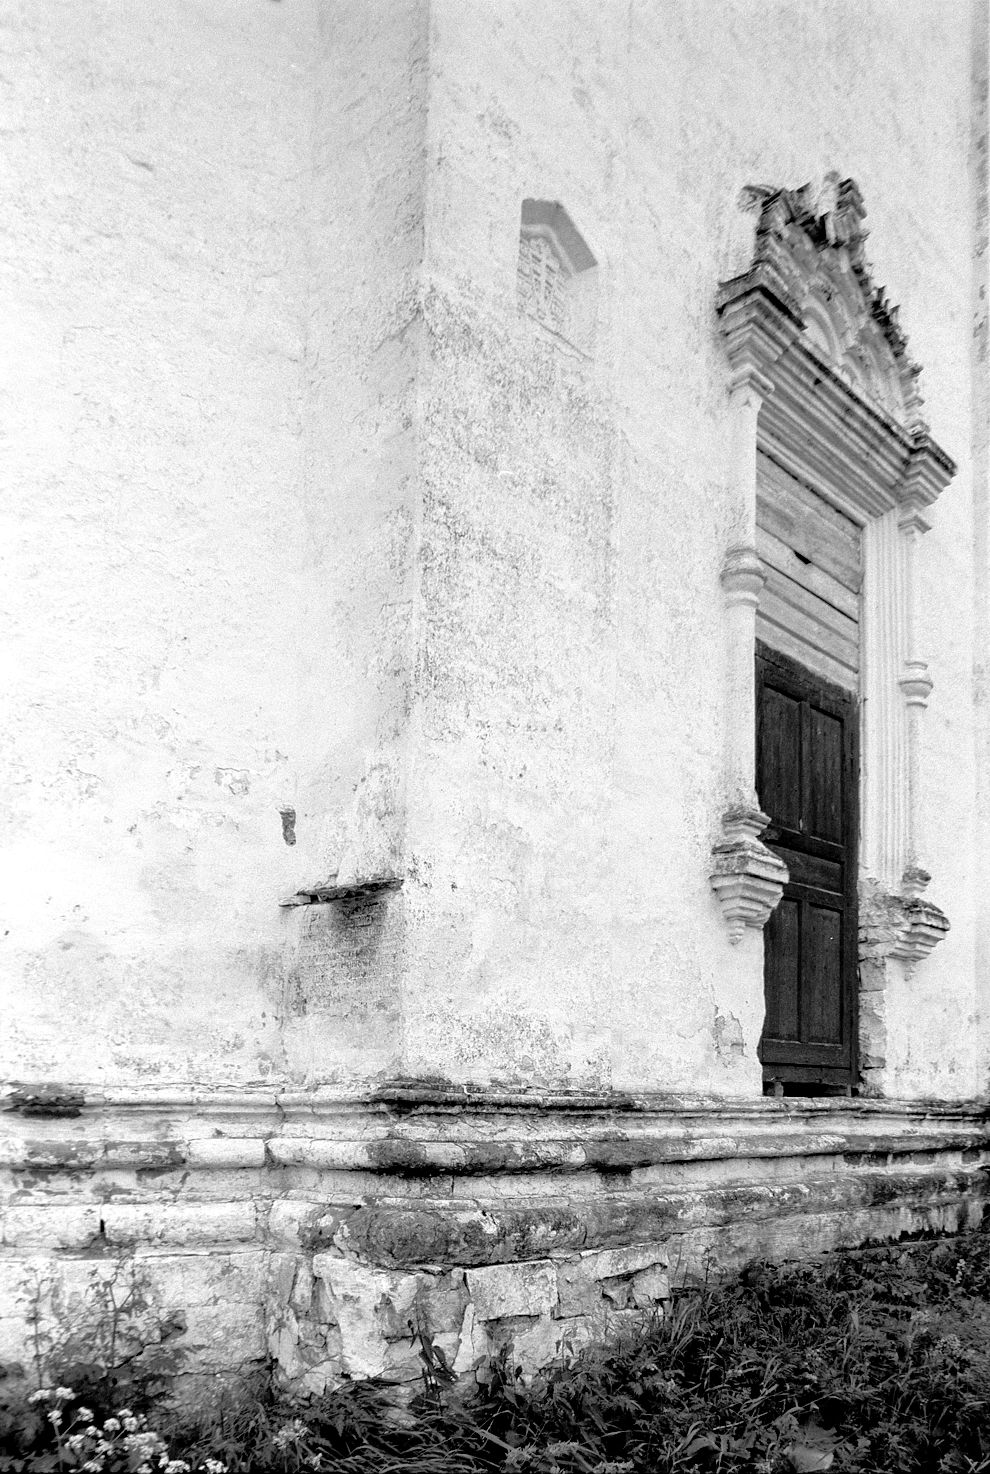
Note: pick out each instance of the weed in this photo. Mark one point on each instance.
(869, 1362)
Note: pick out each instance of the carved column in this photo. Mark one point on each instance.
(747, 877)
(924, 923)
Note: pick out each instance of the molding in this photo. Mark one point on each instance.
(748, 878)
(409, 1129)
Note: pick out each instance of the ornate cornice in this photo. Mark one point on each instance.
(842, 408)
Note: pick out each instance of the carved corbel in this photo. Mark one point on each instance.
(922, 923)
(747, 877)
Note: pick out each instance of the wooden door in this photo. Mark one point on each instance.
(807, 781)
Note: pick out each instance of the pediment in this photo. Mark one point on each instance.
(809, 330)
(813, 242)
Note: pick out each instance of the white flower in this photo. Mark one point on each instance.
(93, 1466)
(63, 1394)
(124, 1412)
(177, 1466)
(55, 1417)
(289, 1433)
(130, 1422)
(111, 1425)
(214, 1466)
(84, 1414)
(42, 1395)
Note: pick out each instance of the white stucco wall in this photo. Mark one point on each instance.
(306, 515)
(154, 308)
(568, 775)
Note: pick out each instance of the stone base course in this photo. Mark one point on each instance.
(335, 1272)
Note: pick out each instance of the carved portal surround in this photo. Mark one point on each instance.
(821, 379)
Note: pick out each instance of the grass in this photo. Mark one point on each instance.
(870, 1362)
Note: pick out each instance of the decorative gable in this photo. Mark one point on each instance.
(808, 321)
(810, 249)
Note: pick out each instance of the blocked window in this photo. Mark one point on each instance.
(556, 277)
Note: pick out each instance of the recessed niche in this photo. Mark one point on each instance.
(556, 277)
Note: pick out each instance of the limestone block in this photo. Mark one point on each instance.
(404, 1361)
(610, 1263)
(225, 1152)
(282, 1269)
(15, 1341)
(370, 1307)
(532, 1342)
(54, 1227)
(616, 1292)
(499, 1290)
(442, 1300)
(289, 1221)
(301, 1296)
(578, 1289)
(187, 1224)
(576, 1333)
(207, 1278)
(473, 1347)
(587, 1280)
(224, 1335)
(316, 1380)
(283, 1345)
(649, 1288)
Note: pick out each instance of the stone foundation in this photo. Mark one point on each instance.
(342, 1238)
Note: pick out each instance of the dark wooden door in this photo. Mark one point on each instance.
(807, 781)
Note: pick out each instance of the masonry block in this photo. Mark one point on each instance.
(54, 1227)
(289, 1221)
(196, 1225)
(649, 1288)
(371, 1307)
(225, 1152)
(513, 1289)
(610, 1263)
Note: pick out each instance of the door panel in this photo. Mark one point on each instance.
(807, 734)
(781, 771)
(825, 797)
(822, 957)
(782, 949)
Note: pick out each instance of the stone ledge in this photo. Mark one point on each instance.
(470, 1137)
(404, 1234)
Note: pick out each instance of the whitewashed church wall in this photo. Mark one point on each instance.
(646, 125)
(154, 309)
(322, 532)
